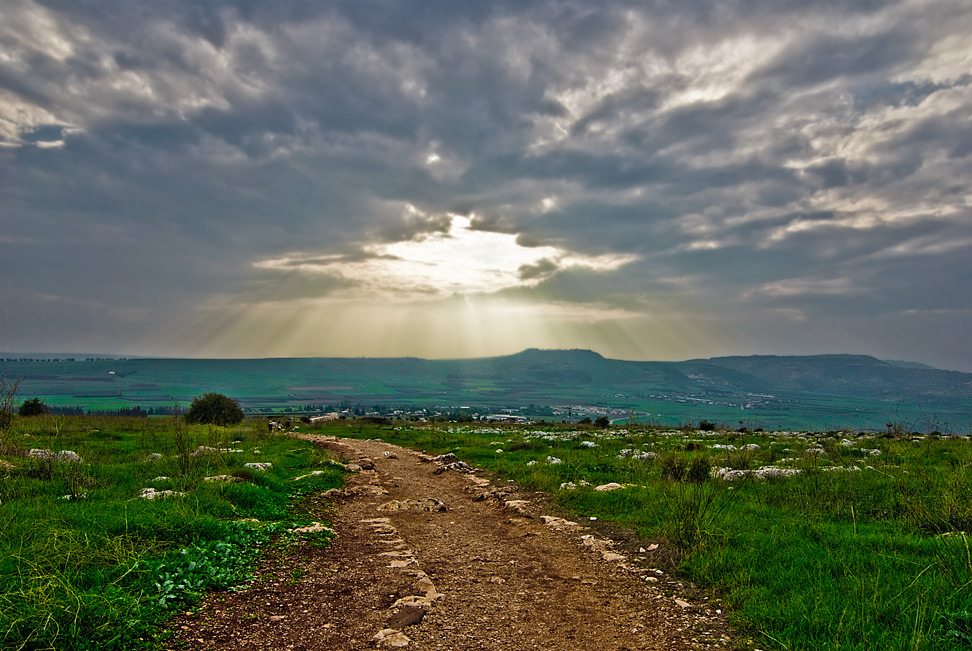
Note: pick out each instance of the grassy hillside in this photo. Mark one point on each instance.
(821, 392)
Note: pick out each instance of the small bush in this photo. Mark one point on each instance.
(32, 407)
(215, 409)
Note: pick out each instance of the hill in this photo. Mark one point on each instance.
(830, 391)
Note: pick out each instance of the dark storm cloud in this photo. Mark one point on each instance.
(760, 158)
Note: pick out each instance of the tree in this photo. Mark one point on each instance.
(214, 408)
(32, 407)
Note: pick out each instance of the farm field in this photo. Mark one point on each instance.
(88, 561)
(821, 392)
(811, 540)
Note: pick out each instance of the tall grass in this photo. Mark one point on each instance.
(87, 564)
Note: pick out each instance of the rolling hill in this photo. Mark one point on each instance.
(779, 391)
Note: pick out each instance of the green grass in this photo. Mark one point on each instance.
(860, 550)
(87, 564)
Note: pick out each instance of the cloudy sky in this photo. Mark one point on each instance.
(650, 180)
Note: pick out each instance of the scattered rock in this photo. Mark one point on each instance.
(766, 472)
(152, 494)
(416, 601)
(229, 479)
(154, 456)
(314, 527)
(367, 489)
(205, 449)
(313, 473)
(430, 504)
(613, 486)
(366, 464)
(405, 616)
(520, 507)
(259, 466)
(457, 466)
(49, 455)
(557, 523)
(390, 637)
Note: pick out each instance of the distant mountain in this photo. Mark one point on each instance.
(838, 375)
(819, 390)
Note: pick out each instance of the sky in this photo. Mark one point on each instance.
(652, 180)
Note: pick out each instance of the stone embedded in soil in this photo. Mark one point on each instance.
(415, 601)
(430, 504)
(424, 584)
(457, 466)
(390, 637)
(520, 507)
(406, 616)
(556, 523)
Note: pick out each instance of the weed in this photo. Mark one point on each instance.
(694, 519)
(673, 467)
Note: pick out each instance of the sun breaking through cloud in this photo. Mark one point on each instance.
(459, 260)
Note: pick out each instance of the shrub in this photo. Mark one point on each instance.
(32, 407)
(214, 408)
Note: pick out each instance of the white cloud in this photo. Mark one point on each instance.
(463, 260)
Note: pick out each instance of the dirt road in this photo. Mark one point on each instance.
(428, 556)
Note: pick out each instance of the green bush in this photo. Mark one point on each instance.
(215, 409)
(32, 407)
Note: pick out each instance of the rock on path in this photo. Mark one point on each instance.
(433, 559)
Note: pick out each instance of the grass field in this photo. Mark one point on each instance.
(847, 541)
(86, 563)
(856, 542)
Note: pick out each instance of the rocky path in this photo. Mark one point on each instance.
(428, 556)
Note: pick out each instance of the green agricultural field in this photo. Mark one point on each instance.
(87, 563)
(813, 541)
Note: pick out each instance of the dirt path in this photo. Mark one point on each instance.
(427, 558)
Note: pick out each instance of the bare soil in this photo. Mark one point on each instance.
(426, 558)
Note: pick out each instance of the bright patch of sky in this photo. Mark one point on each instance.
(461, 260)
